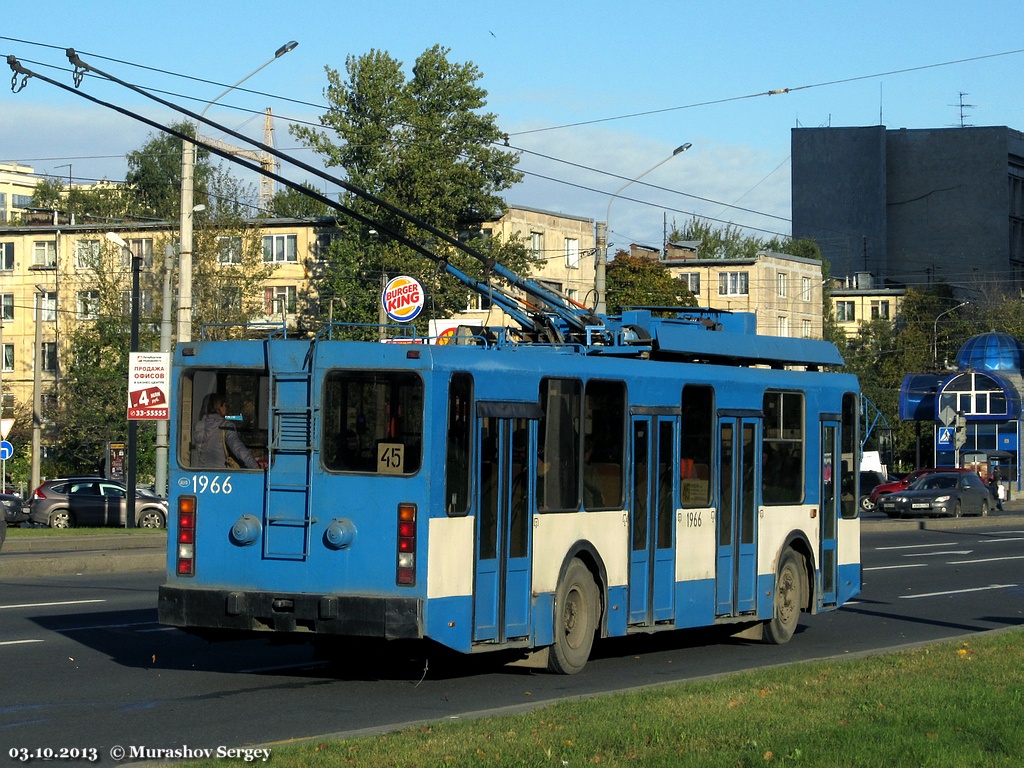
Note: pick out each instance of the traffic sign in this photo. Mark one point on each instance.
(947, 415)
(945, 438)
(5, 428)
(6, 450)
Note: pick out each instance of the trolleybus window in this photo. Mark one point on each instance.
(234, 406)
(783, 457)
(558, 455)
(457, 467)
(850, 447)
(603, 443)
(697, 446)
(373, 422)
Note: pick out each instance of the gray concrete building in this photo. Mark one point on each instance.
(914, 206)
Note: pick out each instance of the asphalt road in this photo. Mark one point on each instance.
(84, 662)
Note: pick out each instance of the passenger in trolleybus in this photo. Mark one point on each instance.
(216, 441)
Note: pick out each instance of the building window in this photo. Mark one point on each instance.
(845, 311)
(87, 254)
(88, 305)
(733, 284)
(572, 253)
(145, 302)
(6, 256)
(782, 280)
(805, 288)
(140, 247)
(49, 355)
(231, 298)
(572, 294)
(805, 328)
(280, 248)
(7, 308)
(537, 245)
(48, 303)
(44, 253)
(21, 201)
(8, 357)
(973, 394)
(879, 310)
(783, 326)
(279, 298)
(692, 282)
(229, 250)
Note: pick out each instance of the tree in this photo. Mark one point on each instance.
(154, 175)
(294, 204)
(425, 145)
(634, 281)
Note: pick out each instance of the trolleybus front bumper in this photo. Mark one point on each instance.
(393, 618)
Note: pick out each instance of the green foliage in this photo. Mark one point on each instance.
(291, 203)
(154, 175)
(633, 281)
(425, 145)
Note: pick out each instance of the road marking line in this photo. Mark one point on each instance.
(917, 546)
(19, 642)
(102, 626)
(958, 591)
(158, 629)
(51, 605)
(943, 554)
(894, 567)
(986, 560)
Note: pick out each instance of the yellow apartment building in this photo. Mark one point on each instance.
(785, 292)
(860, 300)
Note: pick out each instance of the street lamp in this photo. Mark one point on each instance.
(602, 233)
(133, 424)
(935, 332)
(188, 161)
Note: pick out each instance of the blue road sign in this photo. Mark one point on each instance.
(6, 450)
(945, 437)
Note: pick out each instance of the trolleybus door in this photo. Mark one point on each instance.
(652, 556)
(738, 496)
(831, 499)
(505, 483)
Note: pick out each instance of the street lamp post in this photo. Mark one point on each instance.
(188, 161)
(602, 233)
(133, 425)
(935, 332)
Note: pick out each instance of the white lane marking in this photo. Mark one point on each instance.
(52, 605)
(943, 554)
(958, 591)
(985, 560)
(917, 546)
(19, 642)
(894, 567)
(87, 627)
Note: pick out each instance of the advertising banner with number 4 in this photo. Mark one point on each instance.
(149, 376)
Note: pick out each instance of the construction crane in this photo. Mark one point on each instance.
(264, 158)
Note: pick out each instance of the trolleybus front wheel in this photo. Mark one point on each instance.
(788, 600)
(575, 620)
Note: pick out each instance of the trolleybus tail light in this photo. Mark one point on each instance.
(186, 560)
(406, 574)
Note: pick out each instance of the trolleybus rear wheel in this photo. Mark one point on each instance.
(575, 620)
(788, 600)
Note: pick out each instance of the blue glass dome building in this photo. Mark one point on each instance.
(983, 396)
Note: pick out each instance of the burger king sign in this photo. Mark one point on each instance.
(402, 299)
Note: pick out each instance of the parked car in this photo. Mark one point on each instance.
(939, 493)
(15, 510)
(899, 485)
(3, 532)
(92, 501)
(869, 479)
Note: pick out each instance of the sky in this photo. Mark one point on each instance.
(595, 94)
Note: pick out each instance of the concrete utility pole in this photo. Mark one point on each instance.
(602, 234)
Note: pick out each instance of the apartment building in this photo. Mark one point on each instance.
(784, 291)
(17, 183)
(861, 299)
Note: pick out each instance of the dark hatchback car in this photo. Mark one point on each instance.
(93, 501)
(950, 494)
(15, 510)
